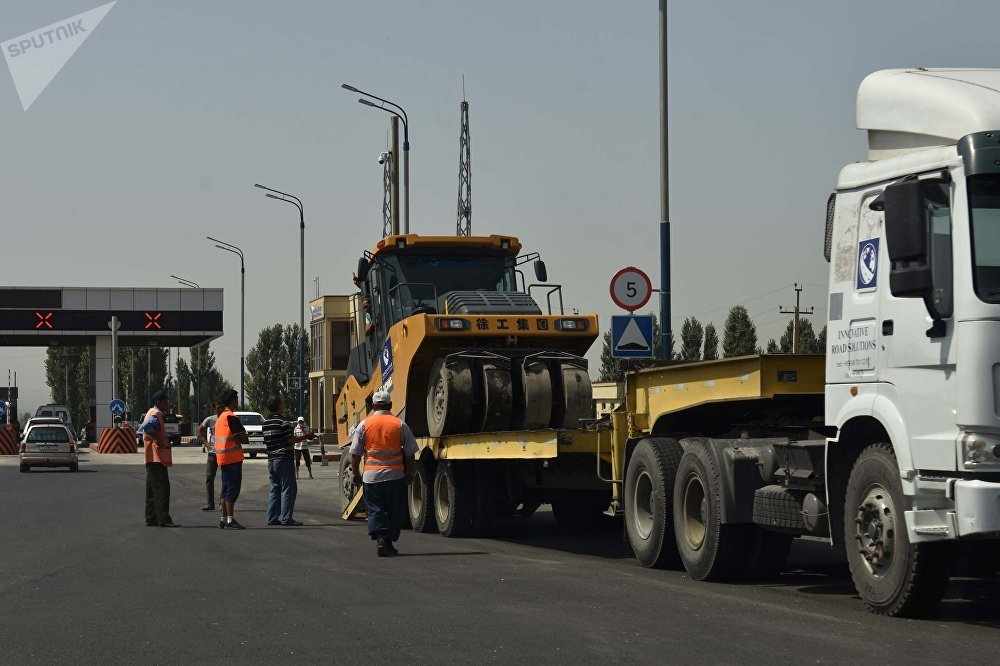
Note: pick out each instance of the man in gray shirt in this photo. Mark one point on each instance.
(387, 448)
(206, 431)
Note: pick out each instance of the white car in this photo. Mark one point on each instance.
(47, 420)
(49, 445)
(253, 423)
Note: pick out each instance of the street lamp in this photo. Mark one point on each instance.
(229, 247)
(278, 195)
(186, 282)
(406, 144)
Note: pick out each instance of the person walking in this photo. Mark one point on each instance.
(302, 446)
(278, 440)
(387, 448)
(206, 431)
(230, 436)
(156, 448)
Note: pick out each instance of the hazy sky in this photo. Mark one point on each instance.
(155, 131)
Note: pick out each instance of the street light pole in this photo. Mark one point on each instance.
(229, 247)
(406, 144)
(278, 195)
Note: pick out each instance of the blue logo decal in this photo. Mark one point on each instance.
(386, 360)
(867, 264)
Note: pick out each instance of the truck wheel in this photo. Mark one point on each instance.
(347, 485)
(420, 498)
(649, 494)
(708, 549)
(892, 576)
(454, 504)
(451, 407)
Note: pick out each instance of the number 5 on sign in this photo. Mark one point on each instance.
(631, 288)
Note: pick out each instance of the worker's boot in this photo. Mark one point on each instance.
(383, 547)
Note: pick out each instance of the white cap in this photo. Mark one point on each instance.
(302, 419)
(381, 398)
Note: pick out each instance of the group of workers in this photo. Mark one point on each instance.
(226, 437)
(382, 453)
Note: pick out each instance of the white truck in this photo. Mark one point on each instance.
(889, 447)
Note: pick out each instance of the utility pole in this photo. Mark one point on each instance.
(664, 193)
(394, 139)
(464, 226)
(797, 313)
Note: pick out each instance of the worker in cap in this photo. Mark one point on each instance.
(159, 458)
(382, 455)
(230, 437)
(302, 446)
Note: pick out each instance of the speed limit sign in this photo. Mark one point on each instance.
(631, 288)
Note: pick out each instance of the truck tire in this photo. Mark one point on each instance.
(454, 503)
(347, 486)
(649, 501)
(451, 405)
(420, 498)
(708, 549)
(892, 576)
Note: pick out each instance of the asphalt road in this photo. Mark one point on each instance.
(84, 580)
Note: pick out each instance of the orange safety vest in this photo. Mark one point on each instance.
(383, 443)
(156, 446)
(227, 448)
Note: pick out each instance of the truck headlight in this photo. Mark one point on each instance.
(452, 324)
(979, 449)
(571, 324)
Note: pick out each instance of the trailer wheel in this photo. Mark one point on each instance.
(420, 498)
(454, 504)
(709, 549)
(649, 498)
(892, 576)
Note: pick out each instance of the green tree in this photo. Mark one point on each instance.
(182, 388)
(271, 363)
(206, 381)
(711, 343)
(808, 343)
(67, 374)
(739, 336)
(692, 333)
(821, 340)
(142, 371)
(772, 346)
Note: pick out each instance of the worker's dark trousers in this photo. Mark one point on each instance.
(157, 494)
(211, 467)
(386, 505)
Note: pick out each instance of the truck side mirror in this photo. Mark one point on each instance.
(907, 230)
(363, 266)
(541, 274)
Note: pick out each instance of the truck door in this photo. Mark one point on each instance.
(918, 376)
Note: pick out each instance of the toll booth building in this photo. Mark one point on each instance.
(331, 318)
(80, 316)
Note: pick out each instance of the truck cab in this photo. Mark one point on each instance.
(913, 240)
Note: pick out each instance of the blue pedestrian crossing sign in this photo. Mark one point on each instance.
(117, 407)
(3, 411)
(632, 336)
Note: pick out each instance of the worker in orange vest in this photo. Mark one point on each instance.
(156, 446)
(230, 436)
(387, 448)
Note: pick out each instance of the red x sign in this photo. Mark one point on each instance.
(153, 321)
(43, 320)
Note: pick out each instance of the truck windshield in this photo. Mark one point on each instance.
(413, 280)
(984, 215)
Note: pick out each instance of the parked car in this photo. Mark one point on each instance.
(253, 422)
(49, 445)
(48, 420)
